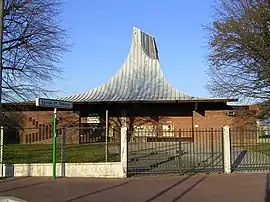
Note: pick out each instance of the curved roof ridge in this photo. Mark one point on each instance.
(139, 79)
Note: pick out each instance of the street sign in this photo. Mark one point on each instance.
(43, 102)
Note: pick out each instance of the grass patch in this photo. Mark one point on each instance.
(42, 153)
(265, 137)
(262, 148)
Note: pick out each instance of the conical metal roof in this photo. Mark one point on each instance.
(139, 79)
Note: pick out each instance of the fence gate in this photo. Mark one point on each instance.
(250, 150)
(169, 152)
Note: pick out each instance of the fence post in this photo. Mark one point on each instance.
(180, 151)
(63, 152)
(124, 149)
(2, 150)
(106, 136)
(212, 147)
(226, 149)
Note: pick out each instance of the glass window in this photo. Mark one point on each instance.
(50, 132)
(47, 132)
(149, 46)
(40, 131)
(43, 132)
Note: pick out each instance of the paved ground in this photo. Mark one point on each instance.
(247, 158)
(239, 187)
(163, 157)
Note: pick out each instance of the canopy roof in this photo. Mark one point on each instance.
(139, 79)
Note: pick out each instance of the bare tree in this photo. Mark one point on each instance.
(33, 44)
(239, 60)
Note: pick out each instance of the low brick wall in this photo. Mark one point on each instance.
(102, 170)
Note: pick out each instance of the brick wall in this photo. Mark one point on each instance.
(211, 119)
(36, 126)
(198, 127)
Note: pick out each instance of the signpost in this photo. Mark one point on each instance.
(43, 102)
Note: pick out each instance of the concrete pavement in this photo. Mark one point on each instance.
(238, 187)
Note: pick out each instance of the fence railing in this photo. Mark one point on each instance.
(149, 151)
(250, 149)
(74, 145)
(198, 150)
(168, 152)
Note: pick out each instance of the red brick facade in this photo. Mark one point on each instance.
(36, 126)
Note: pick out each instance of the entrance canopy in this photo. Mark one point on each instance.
(139, 79)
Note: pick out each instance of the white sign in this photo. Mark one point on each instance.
(43, 102)
(93, 118)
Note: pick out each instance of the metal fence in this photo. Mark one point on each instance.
(149, 151)
(250, 149)
(74, 145)
(197, 151)
(174, 152)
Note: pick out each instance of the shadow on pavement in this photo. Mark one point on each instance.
(22, 187)
(188, 189)
(168, 189)
(99, 191)
(11, 179)
(239, 160)
(267, 189)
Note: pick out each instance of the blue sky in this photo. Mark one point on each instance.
(101, 30)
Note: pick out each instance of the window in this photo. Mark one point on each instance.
(39, 136)
(40, 131)
(149, 45)
(36, 124)
(50, 131)
(43, 132)
(26, 138)
(47, 132)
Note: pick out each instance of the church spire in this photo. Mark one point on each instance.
(139, 79)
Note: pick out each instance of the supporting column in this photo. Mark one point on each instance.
(124, 149)
(226, 150)
(106, 138)
(124, 118)
(259, 130)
